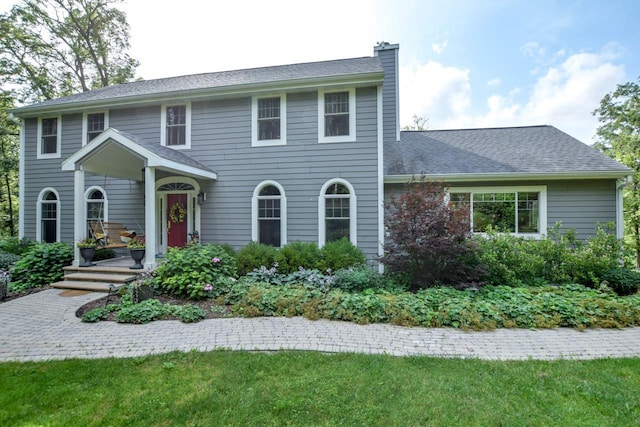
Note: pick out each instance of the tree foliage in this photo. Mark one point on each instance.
(51, 48)
(619, 137)
(429, 238)
(417, 123)
(9, 161)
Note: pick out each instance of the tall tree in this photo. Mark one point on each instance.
(51, 48)
(619, 137)
(8, 168)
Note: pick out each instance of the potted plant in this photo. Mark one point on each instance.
(87, 248)
(136, 248)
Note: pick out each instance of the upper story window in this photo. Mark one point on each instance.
(337, 116)
(93, 124)
(49, 135)
(517, 210)
(176, 126)
(269, 120)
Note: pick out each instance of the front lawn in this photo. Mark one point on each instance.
(306, 388)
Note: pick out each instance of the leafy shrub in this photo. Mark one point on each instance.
(556, 258)
(187, 271)
(189, 313)
(255, 255)
(358, 279)
(428, 237)
(95, 315)
(16, 246)
(144, 312)
(7, 259)
(305, 277)
(298, 254)
(341, 254)
(623, 281)
(42, 265)
(104, 253)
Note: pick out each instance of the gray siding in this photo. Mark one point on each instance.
(221, 139)
(577, 204)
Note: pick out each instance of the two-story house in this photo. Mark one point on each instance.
(302, 152)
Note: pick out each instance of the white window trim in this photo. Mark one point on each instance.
(105, 201)
(283, 211)
(352, 117)
(540, 189)
(353, 214)
(85, 123)
(163, 126)
(55, 155)
(255, 142)
(39, 213)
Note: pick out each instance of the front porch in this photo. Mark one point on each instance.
(167, 176)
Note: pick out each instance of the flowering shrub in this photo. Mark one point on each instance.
(195, 271)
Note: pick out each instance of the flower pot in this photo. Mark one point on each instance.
(87, 254)
(137, 255)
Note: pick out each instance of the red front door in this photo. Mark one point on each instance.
(177, 217)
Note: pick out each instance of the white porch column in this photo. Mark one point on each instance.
(79, 214)
(150, 227)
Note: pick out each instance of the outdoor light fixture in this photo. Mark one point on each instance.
(202, 196)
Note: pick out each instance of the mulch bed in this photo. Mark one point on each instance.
(15, 295)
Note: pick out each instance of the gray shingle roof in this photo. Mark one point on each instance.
(223, 79)
(165, 152)
(517, 150)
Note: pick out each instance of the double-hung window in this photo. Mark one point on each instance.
(176, 126)
(336, 116)
(269, 216)
(93, 124)
(337, 212)
(515, 210)
(269, 123)
(49, 135)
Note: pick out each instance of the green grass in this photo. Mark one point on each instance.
(305, 388)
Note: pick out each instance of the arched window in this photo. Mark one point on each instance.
(48, 212)
(96, 200)
(269, 214)
(337, 212)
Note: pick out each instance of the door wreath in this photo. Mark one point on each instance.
(177, 213)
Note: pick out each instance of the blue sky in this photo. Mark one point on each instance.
(463, 63)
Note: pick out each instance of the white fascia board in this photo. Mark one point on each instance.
(171, 166)
(356, 80)
(474, 177)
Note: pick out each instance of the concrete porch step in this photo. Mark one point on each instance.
(84, 286)
(102, 269)
(100, 277)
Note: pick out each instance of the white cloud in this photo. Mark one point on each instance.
(433, 91)
(494, 82)
(563, 96)
(439, 47)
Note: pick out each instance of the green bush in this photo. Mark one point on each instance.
(298, 254)
(556, 258)
(16, 246)
(255, 255)
(186, 272)
(41, 266)
(104, 253)
(358, 279)
(623, 281)
(341, 254)
(7, 260)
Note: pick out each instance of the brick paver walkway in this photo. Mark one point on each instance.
(43, 326)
